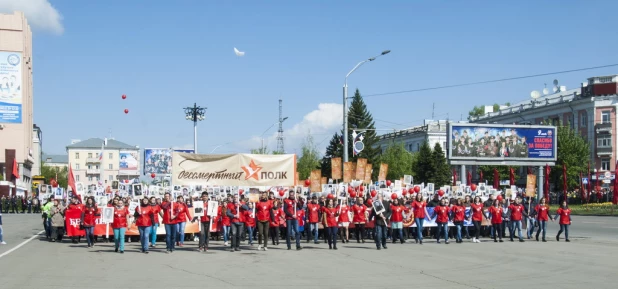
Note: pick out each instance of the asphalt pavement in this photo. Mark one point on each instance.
(588, 260)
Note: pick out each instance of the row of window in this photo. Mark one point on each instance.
(91, 178)
(418, 147)
(109, 156)
(96, 167)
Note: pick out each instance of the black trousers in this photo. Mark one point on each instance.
(235, 234)
(204, 234)
(359, 231)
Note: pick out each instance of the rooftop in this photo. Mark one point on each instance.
(55, 159)
(97, 143)
(428, 126)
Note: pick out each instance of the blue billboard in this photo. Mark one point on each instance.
(11, 89)
(159, 161)
(502, 142)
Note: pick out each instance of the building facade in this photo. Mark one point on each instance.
(101, 161)
(432, 131)
(16, 98)
(37, 150)
(590, 110)
(56, 161)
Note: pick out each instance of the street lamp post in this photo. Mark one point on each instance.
(195, 114)
(345, 103)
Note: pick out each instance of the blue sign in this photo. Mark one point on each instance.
(585, 181)
(502, 142)
(11, 96)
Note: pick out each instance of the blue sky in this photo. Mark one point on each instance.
(169, 54)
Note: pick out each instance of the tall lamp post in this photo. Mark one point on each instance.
(195, 114)
(345, 103)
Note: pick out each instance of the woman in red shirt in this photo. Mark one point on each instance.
(344, 220)
(565, 221)
(419, 208)
(182, 215)
(496, 212)
(542, 216)
(143, 220)
(88, 219)
(359, 219)
(441, 213)
(329, 219)
(264, 212)
(397, 210)
(459, 214)
(249, 221)
(476, 214)
(276, 222)
(121, 219)
(155, 225)
(226, 223)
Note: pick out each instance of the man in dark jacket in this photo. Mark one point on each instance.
(529, 205)
(381, 213)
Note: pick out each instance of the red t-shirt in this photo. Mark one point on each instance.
(459, 213)
(542, 212)
(359, 214)
(156, 209)
(205, 217)
(516, 211)
(263, 210)
(419, 209)
(249, 218)
(331, 216)
(225, 220)
(496, 214)
(442, 213)
(477, 212)
(278, 213)
(182, 213)
(289, 205)
(166, 208)
(344, 217)
(397, 213)
(313, 213)
(120, 218)
(236, 210)
(300, 217)
(564, 214)
(89, 216)
(144, 220)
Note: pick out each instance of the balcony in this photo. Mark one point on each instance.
(604, 151)
(92, 160)
(605, 127)
(93, 171)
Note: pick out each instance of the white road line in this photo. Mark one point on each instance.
(21, 244)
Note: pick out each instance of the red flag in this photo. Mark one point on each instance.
(469, 179)
(496, 179)
(71, 181)
(597, 186)
(454, 177)
(480, 176)
(511, 176)
(15, 169)
(529, 170)
(564, 181)
(546, 184)
(589, 184)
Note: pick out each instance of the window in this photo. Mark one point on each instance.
(110, 156)
(443, 145)
(418, 146)
(89, 155)
(110, 166)
(111, 178)
(97, 178)
(583, 122)
(604, 141)
(96, 167)
(77, 178)
(90, 178)
(89, 167)
(605, 164)
(605, 116)
(76, 166)
(77, 156)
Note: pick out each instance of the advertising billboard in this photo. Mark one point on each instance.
(159, 160)
(128, 161)
(10, 87)
(473, 144)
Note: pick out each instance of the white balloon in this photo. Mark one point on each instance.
(239, 53)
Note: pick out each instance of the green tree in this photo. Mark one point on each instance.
(442, 175)
(50, 172)
(310, 159)
(488, 173)
(424, 167)
(480, 110)
(399, 160)
(260, 151)
(360, 119)
(333, 150)
(574, 151)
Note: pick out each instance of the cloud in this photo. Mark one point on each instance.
(39, 13)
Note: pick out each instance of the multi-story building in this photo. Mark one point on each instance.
(56, 161)
(16, 123)
(590, 110)
(100, 161)
(37, 149)
(432, 131)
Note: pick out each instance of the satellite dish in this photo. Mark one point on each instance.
(535, 94)
(555, 89)
(545, 91)
(555, 82)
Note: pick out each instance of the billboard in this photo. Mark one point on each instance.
(128, 161)
(10, 87)
(472, 144)
(159, 161)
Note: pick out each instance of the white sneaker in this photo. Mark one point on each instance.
(3, 243)
(265, 249)
(478, 241)
(259, 247)
(225, 244)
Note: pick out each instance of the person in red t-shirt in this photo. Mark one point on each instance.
(565, 221)
(517, 212)
(181, 210)
(144, 219)
(264, 216)
(235, 211)
(249, 221)
(205, 224)
(155, 223)
(290, 206)
(419, 209)
(344, 220)
(226, 224)
(88, 219)
(441, 213)
(313, 217)
(459, 214)
(476, 214)
(168, 217)
(397, 210)
(495, 212)
(277, 220)
(121, 220)
(329, 219)
(359, 219)
(542, 216)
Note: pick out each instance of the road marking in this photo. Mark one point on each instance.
(21, 244)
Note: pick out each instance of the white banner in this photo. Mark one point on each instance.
(233, 170)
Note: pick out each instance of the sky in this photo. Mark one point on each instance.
(168, 55)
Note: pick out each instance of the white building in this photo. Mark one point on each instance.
(56, 161)
(37, 150)
(432, 131)
(119, 161)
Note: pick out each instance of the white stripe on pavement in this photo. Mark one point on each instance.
(21, 244)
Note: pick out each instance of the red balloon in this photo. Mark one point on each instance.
(307, 183)
(388, 183)
(370, 202)
(53, 183)
(241, 191)
(352, 194)
(126, 110)
(417, 189)
(152, 175)
(411, 191)
(499, 198)
(374, 193)
(473, 187)
(362, 188)
(330, 196)
(440, 193)
(281, 193)
(393, 196)
(404, 192)
(350, 190)
(124, 96)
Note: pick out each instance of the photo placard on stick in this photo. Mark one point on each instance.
(212, 208)
(108, 215)
(198, 208)
(335, 165)
(315, 178)
(361, 164)
(407, 179)
(368, 172)
(531, 186)
(347, 172)
(383, 172)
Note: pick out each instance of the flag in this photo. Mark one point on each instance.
(101, 154)
(546, 183)
(469, 179)
(71, 181)
(480, 176)
(15, 169)
(496, 179)
(589, 184)
(564, 181)
(454, 177)
(511, 176)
